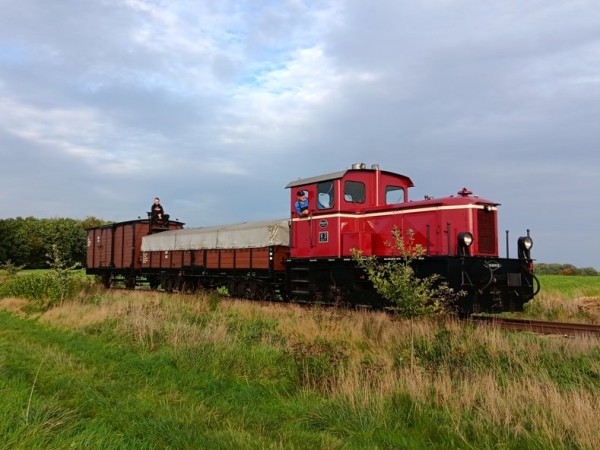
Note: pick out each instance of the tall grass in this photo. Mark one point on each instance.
(567, 298)
(113, 369)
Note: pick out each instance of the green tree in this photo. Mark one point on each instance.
(92, 222)
(6, 239)
(27, 241)
(588, 271)
(564, 269)
(63, 272)
(28, 244)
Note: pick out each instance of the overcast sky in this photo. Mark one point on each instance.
(216, 105)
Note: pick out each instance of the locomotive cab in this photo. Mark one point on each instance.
(338, 205)
(359, 208)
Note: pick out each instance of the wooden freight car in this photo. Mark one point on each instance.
(113, 251)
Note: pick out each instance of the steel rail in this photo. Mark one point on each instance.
(567, 329)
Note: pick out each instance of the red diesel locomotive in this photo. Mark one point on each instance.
(308, 256)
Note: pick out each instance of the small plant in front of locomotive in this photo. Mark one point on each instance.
(408, 296)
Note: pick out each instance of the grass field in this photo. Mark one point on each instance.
(571, 286)
(120, 370)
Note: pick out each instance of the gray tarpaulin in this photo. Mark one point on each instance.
(240, 235)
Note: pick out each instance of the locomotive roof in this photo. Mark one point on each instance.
(239, 235)
(340, 174)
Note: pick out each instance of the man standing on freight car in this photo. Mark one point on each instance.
(301, 204)
(158, 215)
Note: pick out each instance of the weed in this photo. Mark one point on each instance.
(214, 300)
(409, 296)
(10, 268)
(222, 291)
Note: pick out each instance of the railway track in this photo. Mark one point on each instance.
(566, 329)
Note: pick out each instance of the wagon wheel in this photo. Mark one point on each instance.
(189, 285)
(130, 282)
(106, 280)
(154, 283)
(169, 283)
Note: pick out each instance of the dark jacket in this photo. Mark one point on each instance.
(157, 210)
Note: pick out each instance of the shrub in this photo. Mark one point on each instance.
(409, 295)
(222, 291)
(46, 288)
(49, 288)
(568, 271)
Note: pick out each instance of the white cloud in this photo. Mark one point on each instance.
(277, 103)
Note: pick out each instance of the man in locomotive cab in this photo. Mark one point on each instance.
(301, 204)
(157, 214)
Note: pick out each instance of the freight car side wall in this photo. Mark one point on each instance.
(127, 242)
(263, 258)
(99, 248)
(117, 246)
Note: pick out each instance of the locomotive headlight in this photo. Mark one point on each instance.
(465, 239)
(525, 243)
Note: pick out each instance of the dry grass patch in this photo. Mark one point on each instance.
(15, 305)
(589, 306)
(567, 299)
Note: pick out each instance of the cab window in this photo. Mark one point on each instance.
(325, 195)
(393, 195)
(354, 191)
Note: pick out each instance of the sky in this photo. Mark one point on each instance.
(216, 105)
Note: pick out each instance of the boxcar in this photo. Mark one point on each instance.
(114, 251)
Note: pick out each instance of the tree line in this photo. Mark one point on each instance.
(564, 269)
(27, 242)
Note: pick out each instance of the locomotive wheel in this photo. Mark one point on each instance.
(261, 292)
(189, 285)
